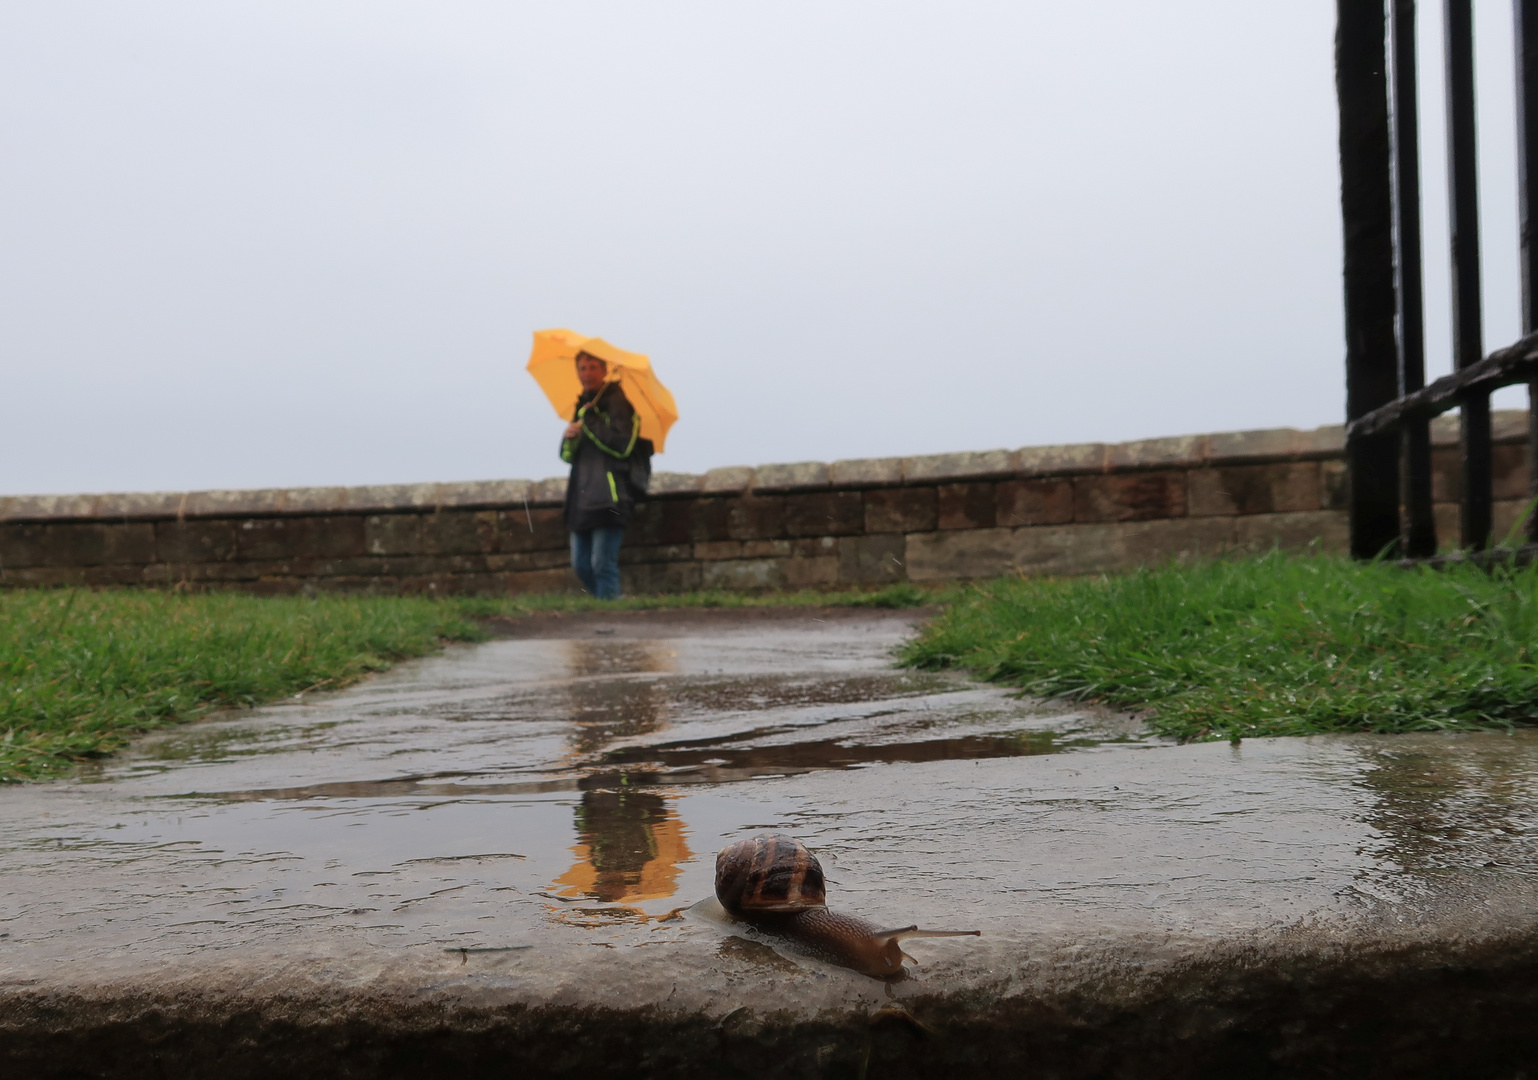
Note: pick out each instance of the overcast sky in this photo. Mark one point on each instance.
(281, 243)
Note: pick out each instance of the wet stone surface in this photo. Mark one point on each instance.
(517, 833)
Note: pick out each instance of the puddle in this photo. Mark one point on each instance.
(555, 792)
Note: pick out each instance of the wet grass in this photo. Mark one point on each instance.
(82, 672)
(1278, 645)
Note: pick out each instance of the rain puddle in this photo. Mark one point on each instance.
(547, 790)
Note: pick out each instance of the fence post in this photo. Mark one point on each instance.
(1366, 199)
(1526, 12)
(1468, 333)
(1417, 528)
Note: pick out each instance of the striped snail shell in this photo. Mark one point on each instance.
(774, 883)
(768, 872)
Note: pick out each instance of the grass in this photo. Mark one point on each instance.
(82, 672)
(1277, 645)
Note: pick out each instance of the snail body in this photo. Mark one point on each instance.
(774, 883)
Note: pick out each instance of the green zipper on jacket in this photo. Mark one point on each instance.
(613, 491)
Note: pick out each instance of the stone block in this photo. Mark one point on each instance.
(664, 521)
(1334, 485)
(824, 513)
(400, 497)
(41, 577)
(392, 534)
(1095, 548)
(550, 491)
(1507, 519)
(1061, 460)
(960, 553)
(1254, 489)
(801, 476)
(766, 549)
(879, 559)
(210, 540)
(531, 529)
(813, 546)
(1136, 496)
(1446, 474)
(1247, 446)
(459, 532)
(1034, 502)
(541, 581)
(88, 543)
(1508, 470)
(1509, 425)
(933, 468)
(744, 575)
(1184, 450)
(22, 544)
(718, 549)
(866, 472)
(674, 483)
(966, 506)
(1322, 530)
(1326, 439)
(755, 517)
(483, 493)
(811, 573)
(234, 504)
(47, 507)
(528, 560)
(661, 577)
(901, 510)
(304, 537)
(313, 500)
(710, 519)
(733, 479)
(645, 553)
(148, 505)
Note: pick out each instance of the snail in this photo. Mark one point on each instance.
(772, 882)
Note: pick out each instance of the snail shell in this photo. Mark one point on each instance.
(773, 882)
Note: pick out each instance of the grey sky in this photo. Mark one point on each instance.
(249, 244)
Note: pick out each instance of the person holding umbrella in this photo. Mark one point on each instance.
(621, 417)
(603, 434)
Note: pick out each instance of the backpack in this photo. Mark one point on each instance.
(640, 471)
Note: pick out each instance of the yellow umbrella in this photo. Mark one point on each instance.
(553, 363)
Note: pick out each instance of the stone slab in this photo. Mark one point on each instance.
(497, 862)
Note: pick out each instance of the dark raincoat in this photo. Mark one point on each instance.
(599, 494)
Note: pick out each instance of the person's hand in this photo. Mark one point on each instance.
(573, 430)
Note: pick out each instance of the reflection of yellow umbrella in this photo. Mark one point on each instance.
(553, 363)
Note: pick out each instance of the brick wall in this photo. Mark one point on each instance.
(1041, 510)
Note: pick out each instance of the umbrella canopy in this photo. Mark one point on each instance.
(553, 363)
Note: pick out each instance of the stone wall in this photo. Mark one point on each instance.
(1041, 510)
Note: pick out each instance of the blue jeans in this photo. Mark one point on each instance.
(595, 558)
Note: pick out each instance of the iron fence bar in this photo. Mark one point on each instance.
(1526, 13)
(1517, 363)
(1417, 525)
(1366, 199)
(1463, 198)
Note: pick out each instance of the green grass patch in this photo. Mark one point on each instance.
(1277, 645)
(81, 672)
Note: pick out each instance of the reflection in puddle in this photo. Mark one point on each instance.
(630, 847)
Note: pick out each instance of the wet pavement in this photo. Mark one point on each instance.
(517, 834)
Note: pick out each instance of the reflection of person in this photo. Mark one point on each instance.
(598, 445)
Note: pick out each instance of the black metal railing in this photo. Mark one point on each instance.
(1389, 407)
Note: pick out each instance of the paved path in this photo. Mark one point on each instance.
(495, 855)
